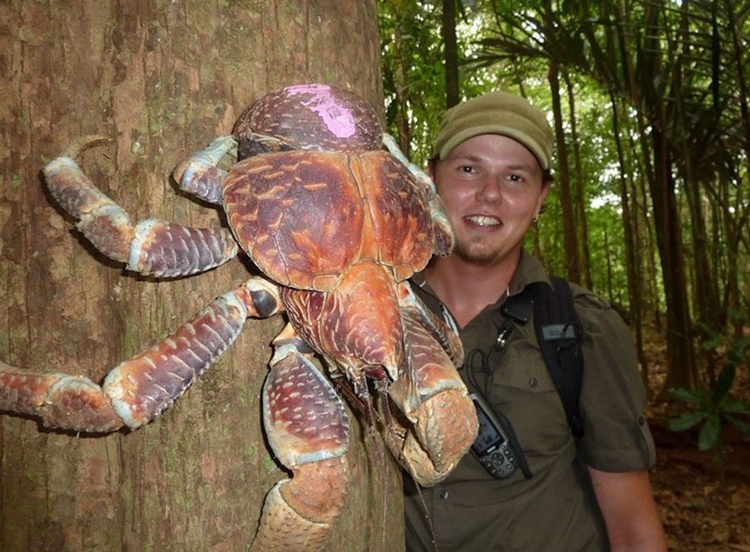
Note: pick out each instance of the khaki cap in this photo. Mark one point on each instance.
(496, 113)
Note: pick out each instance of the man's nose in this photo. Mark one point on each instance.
(490, 191)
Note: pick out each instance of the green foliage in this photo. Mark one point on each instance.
(712, 407)
(631, 69)
(413, 72)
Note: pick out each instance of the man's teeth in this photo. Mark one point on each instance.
(483, 221)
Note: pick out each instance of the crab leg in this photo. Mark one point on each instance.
(308, 430)
(151, 247)
(442, 421)
(139, 389)
(199, 173)
(442, 228)
(390, 143)
(448, 339)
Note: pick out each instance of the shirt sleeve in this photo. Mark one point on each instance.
(616, 435)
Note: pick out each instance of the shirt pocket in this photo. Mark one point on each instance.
(523, 391)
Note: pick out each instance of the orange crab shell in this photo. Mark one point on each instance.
(306, 217)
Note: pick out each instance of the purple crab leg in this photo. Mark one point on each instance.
(199, 173)
(139, 389)
(151, 247)
(308, 430)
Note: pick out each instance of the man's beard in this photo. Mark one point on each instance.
(474, 253)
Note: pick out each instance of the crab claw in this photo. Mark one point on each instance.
(440, 419)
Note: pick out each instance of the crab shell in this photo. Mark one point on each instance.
(329, 197)
(306, 217)
(309, 117)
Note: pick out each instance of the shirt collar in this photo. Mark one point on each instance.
(528, 271)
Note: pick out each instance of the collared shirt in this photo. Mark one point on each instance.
(554, 510)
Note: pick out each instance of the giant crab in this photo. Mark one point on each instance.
(337, 220)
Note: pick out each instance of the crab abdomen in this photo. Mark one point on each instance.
(358, 324)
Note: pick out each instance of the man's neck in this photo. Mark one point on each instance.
(467, 288)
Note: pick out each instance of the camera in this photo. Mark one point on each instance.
(493, 446)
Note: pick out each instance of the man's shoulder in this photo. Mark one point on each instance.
(587, 298)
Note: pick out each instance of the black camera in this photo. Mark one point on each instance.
(493, 445)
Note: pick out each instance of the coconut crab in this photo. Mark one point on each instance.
(337, 224)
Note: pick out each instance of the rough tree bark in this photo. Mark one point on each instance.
(161, 79)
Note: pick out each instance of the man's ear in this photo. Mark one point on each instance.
(541, 207)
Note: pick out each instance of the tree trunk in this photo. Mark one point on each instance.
(630, 224)
(161, 79)
(572, 257)
(580, 199)
(681, 371)
(448, 31)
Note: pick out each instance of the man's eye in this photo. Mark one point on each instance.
(466, 169)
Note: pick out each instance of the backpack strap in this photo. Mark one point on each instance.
(559, 334)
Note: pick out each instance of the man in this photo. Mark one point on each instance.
(491, 166)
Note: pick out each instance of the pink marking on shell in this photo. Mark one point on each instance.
(337, 117)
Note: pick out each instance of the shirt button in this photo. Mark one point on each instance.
(444, 495)
(641, 421)
(533, 382)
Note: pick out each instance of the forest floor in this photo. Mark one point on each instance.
(701, 513)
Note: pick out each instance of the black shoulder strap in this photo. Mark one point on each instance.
(559, 334)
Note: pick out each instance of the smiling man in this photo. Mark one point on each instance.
(491, 165)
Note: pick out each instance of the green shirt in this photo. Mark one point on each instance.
(554, 510)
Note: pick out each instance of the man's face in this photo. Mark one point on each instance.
(492, 187)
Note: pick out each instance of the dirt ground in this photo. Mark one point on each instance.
(700, 513)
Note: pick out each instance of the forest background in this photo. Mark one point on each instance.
(649, 103)
(650, 209)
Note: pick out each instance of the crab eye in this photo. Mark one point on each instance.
(249, 148)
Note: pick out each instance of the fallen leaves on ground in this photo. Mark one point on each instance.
(700, 512)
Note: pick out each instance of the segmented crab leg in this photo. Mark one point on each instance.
(442, 419)
(139, 389)
(308, 430)
(444, 239)
(415, 307)
(390, 143)
(150, 247)
(199, 173)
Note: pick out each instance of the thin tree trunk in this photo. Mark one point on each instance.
(402, 95)
(572, 258)
(452, 89)
(681, 371)
(738, 55)
(630, 224)
(161, 79)
(579, 200)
